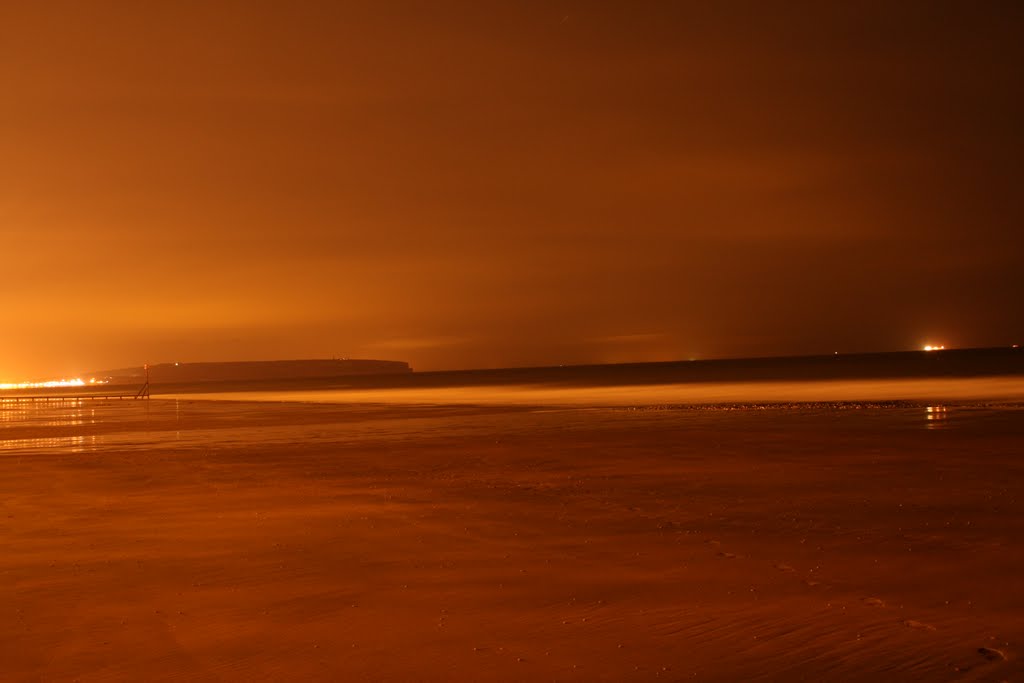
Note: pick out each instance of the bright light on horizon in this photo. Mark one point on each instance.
(930, 347)
(51, 384)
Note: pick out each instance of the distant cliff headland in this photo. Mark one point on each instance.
(244, 371)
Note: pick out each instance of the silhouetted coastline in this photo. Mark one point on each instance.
(987, 362)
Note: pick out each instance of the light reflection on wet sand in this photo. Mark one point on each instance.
(214, 420)
(936, 416)
(65, 415)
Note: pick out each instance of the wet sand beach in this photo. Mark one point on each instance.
(181, 539)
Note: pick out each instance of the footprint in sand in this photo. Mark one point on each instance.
(989, 653)
(992, 654)
(919, 625)
(874, 602)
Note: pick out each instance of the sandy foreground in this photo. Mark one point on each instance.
(222, 541)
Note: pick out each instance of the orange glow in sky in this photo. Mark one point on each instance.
(466, 185)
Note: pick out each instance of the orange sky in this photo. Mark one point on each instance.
(468, 184)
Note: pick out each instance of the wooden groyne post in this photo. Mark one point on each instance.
(144, 391)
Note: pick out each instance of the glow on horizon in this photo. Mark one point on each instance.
(55, 383)
(931, 347)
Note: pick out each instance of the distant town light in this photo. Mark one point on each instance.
(931, 347)
(43, 385)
